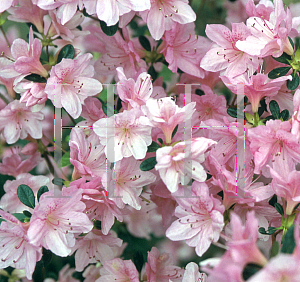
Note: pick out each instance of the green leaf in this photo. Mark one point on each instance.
(288, 242)
(278, 72)
(97, 224)
(153, 147)
(1, 219)
(285, 115)
(262, 230)
(294, 83)
(153, 73)
(36, 78)
(292, 43)
(273, 200)
(274, 108)
(67, 52)
(138, 260)
(19, 216)
(279, 208)
(174, 131)
(65, 161)
(232, 112)
(145, 43)
(58, 181)
(160, 140)
(268, 118)
(250, 269)
(27, 213)
(26, 195)
(249, 117)
(47, 257)
(148, 164)
(272, 230)
(109, 30)
(274, 249)
(42, 190)
(199, 92)
(284, 58)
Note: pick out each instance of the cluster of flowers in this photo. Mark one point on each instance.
(165, 162)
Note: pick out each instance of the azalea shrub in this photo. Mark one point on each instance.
(149, 140)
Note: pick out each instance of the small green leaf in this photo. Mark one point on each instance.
(67, 52)
(148, 164)
(199, 92)
(294, 83)
(153, 147)
(58, 181)
(47, 257)
(42, 190)
(232, 112)
(278, 72)
(109, 30)
(36, 78)
(153, 73)
(250, 269)
(285, 115)
(249, 117)
(288, 242)
(27, 213)
(65, 161)
(292, 43)
(272, 230)
(284, 58)
(145, 43)
(273, 200)
(279, 208)
(26, 195)
(19, 216)
(97, 224)
(138, 260)
(262, 230)
(274, 108)
(160, 140)
(174, 131)
(275, 249)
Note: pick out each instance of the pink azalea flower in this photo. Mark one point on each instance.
(121, 51)
(283, 267)
(125, 183)
(192, 273)
(275, 145)
(27, 12)
(18, 121)
(163, 14)
(110, 10)
(130, 131)
(118, 270)
(160, 268)
(243, 246)
(4, 5)
(182, 49)
(225, 56)
(33, 93)
(16, 251)
(256, 87)
(136, 93)
(55, 221)
(172, 163)
(98, 205)
(287, 188)
(27, 56)
(71, 79)
(165, 114)
(15, 164)
(200, 219)
(262, 9)
(95, 247)
(269, 37)
(86, 154)
(10, 201)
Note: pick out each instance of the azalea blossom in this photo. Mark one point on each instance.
(225, 55)
(72, 81)
(165, 14)
(55, 221)
(200, 219)
(129, 131)
(17, 121)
